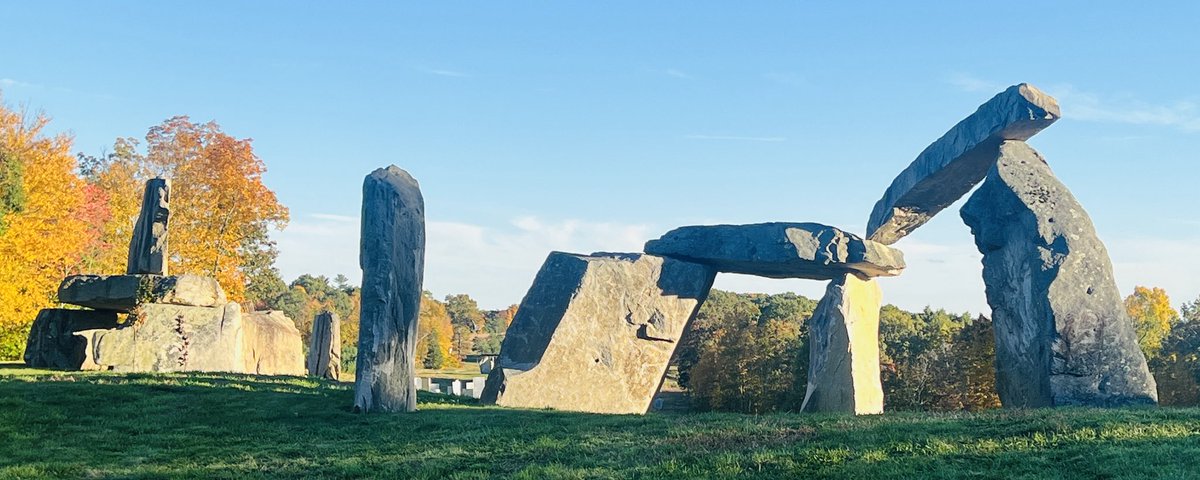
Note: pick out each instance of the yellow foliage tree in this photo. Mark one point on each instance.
(42, 241)
(435, 332)
(1152, 315)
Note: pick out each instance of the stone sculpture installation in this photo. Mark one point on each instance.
(148, 247)
(325, 347)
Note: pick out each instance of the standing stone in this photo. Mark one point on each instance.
(952, 165)
(148, 247)
(843, 370)
(596, 333)
(1062, 334)
(392, 257)
(325, 348)
(52, 340)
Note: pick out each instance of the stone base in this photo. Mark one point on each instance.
(843, 371)
(53, 342)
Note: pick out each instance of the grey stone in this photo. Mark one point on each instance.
(174, 338)
(148, 246)
(392, 257)
(843, 366)
(272, 345)
(779, 250)
(596, 333)
(124, 293)
(325, 347)
(52, 340)
(1062, 333)
(955, 163)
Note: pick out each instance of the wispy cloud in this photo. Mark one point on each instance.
(442, 72)
(678, 73)
(970, 83)
(8, 82)
(334, 217)
(736, 138)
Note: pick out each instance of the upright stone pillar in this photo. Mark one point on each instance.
(148, 246)
(843, 370)
(392, 257)
(325, 347)
(1062, 334)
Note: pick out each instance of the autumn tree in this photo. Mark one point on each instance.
(434, 334)
(1152, 315)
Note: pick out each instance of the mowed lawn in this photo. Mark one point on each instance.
(103, 425)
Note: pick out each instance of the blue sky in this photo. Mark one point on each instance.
(586, 126)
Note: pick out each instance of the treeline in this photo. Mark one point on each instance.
(63, 213)
(749, 353)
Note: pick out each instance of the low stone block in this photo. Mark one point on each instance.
(53, 342)
(124, 293)
(595, 332)
(779, 250)
(173, 338)
(273, 345)
(843, 371)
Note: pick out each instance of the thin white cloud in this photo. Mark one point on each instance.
(970, 83)
(1086, 106)
(678, 74)
(442, 72)
(736, 138)
(8, 82)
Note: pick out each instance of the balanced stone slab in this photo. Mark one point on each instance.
(392, 258)
(780, 250)
(957, 161)
(843, 370)
(1062, 333)
(325, 347)
(148, 245)
(595, 333)
(124, 293)
(53, 342)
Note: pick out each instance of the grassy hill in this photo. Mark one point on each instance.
(102, 425)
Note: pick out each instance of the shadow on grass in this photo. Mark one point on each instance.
(62, 424)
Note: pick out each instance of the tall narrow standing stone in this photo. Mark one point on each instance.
(1062, 334)
(392, 257)
(148, 246)
(325, 349)
(843, 370)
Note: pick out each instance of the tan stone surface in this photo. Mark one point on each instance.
(595, 333)
(170, 338)
(124, 293)
(273, 345)
(843, 373)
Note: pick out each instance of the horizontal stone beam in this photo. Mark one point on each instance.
(955, 163)
(124, 293)
(780, 250)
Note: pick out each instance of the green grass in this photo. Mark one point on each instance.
(103, 425)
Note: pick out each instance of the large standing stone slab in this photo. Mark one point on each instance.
(952, 165)
(174, 338)
(843, 370)
(596, 333)
(52, 340)
(272, 344)
(124, 293)
(148, 246)
(325, 347)
(1062, 334)
(779, 250)
(392, 257)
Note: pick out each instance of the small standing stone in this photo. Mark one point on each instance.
(325, 348)
(843, 370)
(148, 246)
(392, 257)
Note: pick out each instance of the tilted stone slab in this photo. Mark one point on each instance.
(174, 338)
(780, 250)
(124, 293)
(53, 342)
(596, 332)
(955, 163)
(1062, 333)
(325, 347)
(392, 257)
(272, 344)
(843, 365)
(148, 245)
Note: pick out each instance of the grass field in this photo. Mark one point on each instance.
(102, 425)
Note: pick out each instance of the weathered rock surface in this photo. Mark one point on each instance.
(392, 257)
(52, 340)
(148, 246)
(843, 371)
(325, 347)
(1062, 334)
(955, 163)
(124, 293)
(174, 338)
(272, 344)
(779, 250)
(595, 333)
